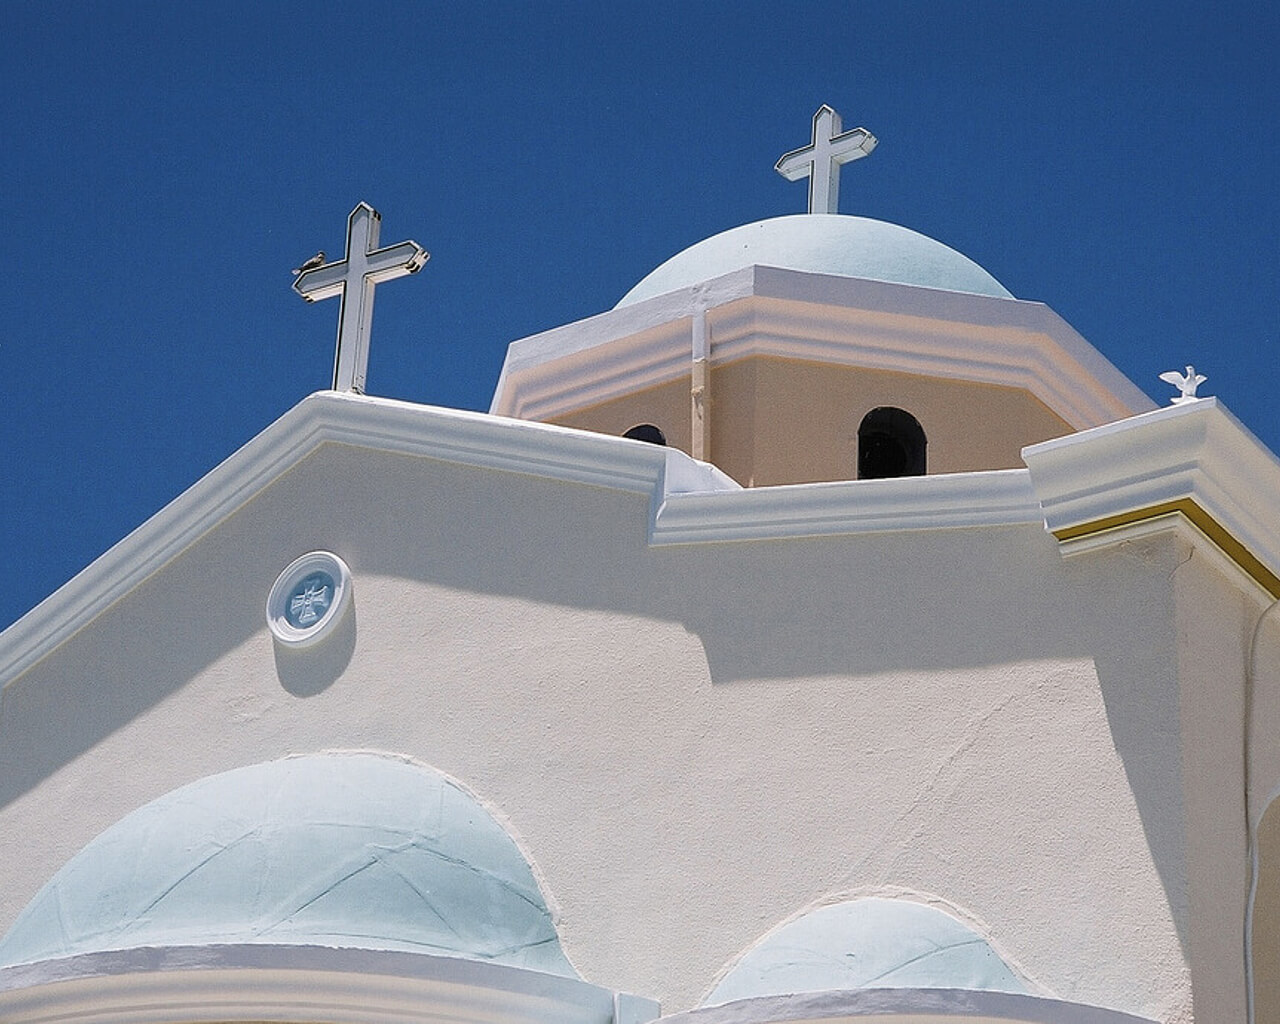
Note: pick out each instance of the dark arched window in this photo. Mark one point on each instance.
(890, 443)
(646, 432)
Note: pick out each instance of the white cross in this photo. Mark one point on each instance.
(820, 160)
(353, 277)
(308, 604)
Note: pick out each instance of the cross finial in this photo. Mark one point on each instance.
(820, 161)
(353, 277)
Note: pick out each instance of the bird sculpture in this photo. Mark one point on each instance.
(1186, 383)
(316, 261)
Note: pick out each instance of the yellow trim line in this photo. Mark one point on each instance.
(1207, 525)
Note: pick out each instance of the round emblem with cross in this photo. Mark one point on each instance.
(307, 599)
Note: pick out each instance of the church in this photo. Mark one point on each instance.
(821, 634)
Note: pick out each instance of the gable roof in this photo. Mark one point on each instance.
(1136, 470)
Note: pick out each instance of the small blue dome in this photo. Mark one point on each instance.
(867, 943)
(823, 244)
(341, 850)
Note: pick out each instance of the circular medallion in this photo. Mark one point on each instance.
(308, 598)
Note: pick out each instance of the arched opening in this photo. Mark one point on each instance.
(891, 443)
(646, 432)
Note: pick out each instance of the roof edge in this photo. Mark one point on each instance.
(689, 501)
(345, 418)
(945, 501)
(762, 310)
(1194, 459)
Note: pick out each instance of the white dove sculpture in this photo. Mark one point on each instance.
(316, 261)
(1186, 383)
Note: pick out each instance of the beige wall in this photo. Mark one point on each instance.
(780, 421)
(692, 743)
(1266, 920)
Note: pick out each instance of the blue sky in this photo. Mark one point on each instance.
(165, 165)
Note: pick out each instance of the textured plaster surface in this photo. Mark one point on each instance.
(1266, 918)
(1214, 622)
(1264, 725)
(691, 744)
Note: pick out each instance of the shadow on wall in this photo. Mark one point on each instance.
(1266, 918)
(777, 610)
(307, 671)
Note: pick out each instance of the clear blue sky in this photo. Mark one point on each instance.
(164, 165)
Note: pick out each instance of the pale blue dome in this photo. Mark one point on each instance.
(823, 243)
(341, 850)
(867, 943)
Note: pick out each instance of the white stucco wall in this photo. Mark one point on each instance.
(691, 742)
(1214, 623)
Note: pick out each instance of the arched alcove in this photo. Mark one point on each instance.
(891, 443)
(873, 942)
(340, 850)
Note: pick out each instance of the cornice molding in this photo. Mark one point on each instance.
(1193, 460)
(689, 501)
(192, 984)
(766, 311)
(943, 502)
(471, 438)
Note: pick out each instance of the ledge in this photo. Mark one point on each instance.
(291, 983)
(1193, 460)
(471, 438)
(689, 501)
(767, 311)
(945, 501)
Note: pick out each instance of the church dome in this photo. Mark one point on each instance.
(822, 244)
(863, 944)
(338, 850)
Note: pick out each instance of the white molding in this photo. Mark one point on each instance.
(298, 983)
(909, 1005)
(1196, 451)
(1179, 526)
(767, 311)
(950, 501)
(689, 501)
(475, 439)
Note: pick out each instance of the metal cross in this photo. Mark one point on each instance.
(820, 160)
(353, 277)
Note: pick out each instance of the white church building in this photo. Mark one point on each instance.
(902, 663)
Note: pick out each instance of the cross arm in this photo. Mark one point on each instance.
(395, 260)
(323, 282)
(852, 145)
(796, 164)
